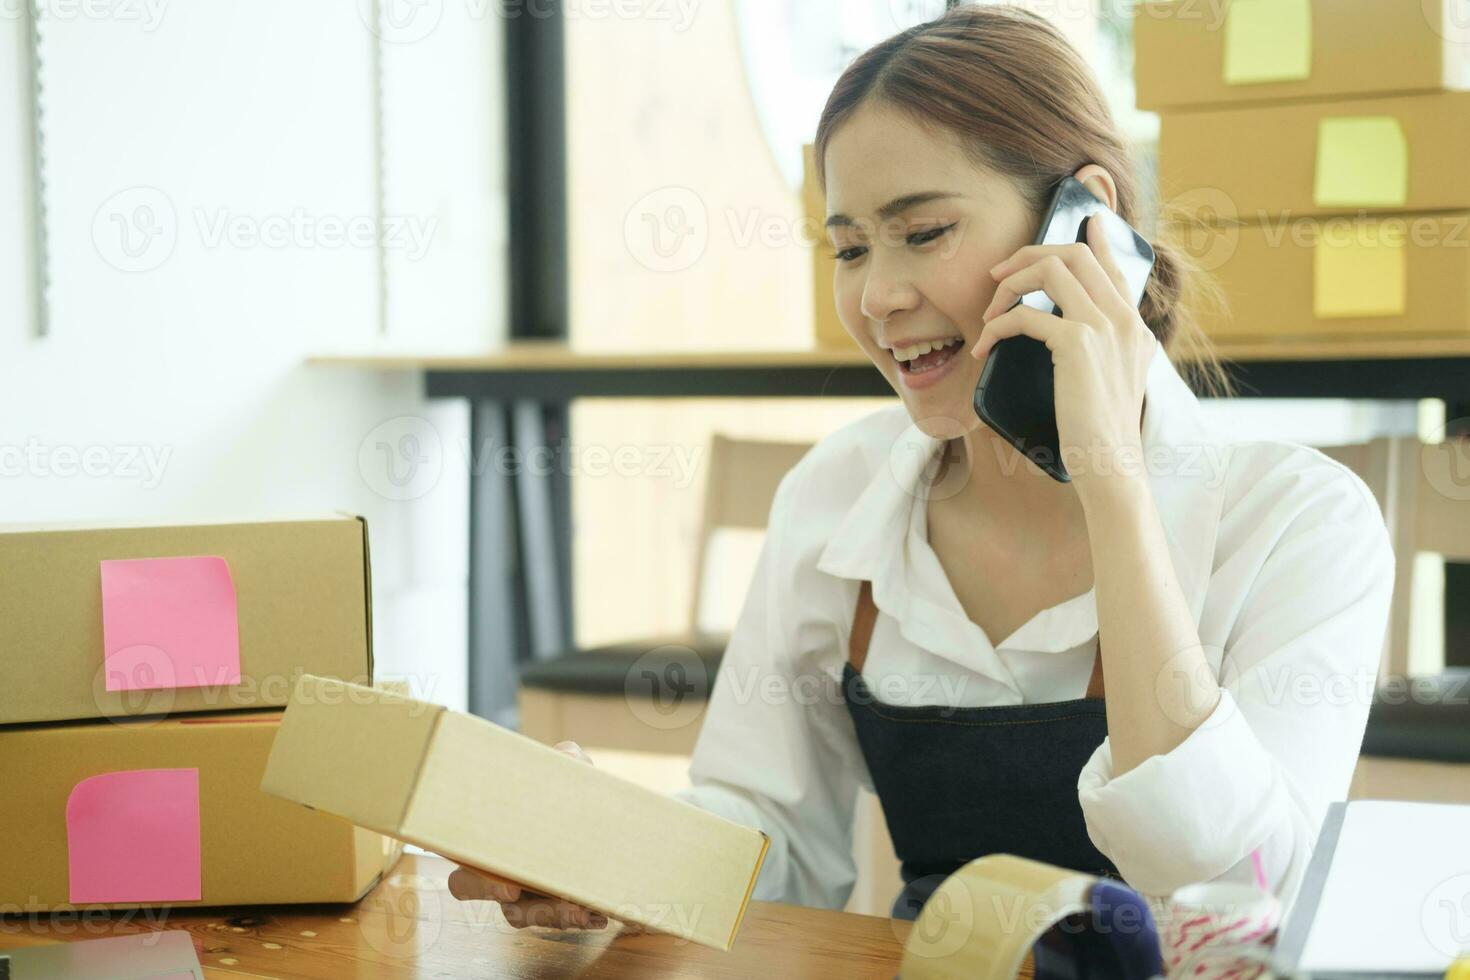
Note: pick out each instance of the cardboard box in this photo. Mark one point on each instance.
(828, 331)
(1387, 154)
(1401, 275)
(252, 848)
(303, 602)
(494, 799)
(1197, 53)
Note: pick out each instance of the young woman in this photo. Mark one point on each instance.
(925, 620)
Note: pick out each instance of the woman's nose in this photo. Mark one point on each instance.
(885, 296)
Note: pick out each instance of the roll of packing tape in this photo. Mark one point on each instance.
(1220, 929)
(984, 920)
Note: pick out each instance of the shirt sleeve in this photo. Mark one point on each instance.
(770, 752)
(1297, 678)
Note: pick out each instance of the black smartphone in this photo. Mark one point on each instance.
(1016, 394)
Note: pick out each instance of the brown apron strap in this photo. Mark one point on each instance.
(862, 626)
(1095, 682)
(866, 614)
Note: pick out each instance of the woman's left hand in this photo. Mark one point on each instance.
(1100, 349)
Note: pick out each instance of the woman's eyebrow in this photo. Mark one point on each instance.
(896, 206)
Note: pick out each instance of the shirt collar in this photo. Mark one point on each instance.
(1185, 461)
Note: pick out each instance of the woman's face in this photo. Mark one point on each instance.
(913, 275)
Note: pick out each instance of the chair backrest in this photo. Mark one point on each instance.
(741, 480)
(1424, 491)
(1441, 515)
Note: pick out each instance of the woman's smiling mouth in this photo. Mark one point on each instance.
(924, 363)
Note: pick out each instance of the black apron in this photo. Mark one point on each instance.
(959, 783)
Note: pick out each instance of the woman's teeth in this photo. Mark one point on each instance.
(908, 356)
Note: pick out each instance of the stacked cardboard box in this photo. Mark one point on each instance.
(1312, 153)
(142, 674)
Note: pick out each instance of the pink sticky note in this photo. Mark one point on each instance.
(169, 622)
(133, 836)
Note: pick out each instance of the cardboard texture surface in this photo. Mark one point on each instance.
(1402, 275)
(304, 605)
(252, 848)
(494, 799)
(1199, 53)
(1398, 154)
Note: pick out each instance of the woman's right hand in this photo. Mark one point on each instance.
(521, 906)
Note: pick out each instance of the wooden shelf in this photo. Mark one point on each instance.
(556, 355)
(1348, 348)
(552, 371)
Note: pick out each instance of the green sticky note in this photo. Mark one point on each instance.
(1362, 161)
(1360, 274)
(1268, 41)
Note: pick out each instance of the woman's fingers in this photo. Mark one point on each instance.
(1090, 264)
(533, 909)
(524, 907)
(574, 750)
(1018, 321)
(472, 884)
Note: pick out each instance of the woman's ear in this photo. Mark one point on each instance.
(1100, 182)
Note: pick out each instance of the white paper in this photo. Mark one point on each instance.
(1397, 896)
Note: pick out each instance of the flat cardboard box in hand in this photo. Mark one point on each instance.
(492, 798)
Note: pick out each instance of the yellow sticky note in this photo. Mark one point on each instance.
(1268, 41)
(1362, 161)
(1358, 273)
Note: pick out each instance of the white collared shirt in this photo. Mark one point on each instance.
(1281, 554)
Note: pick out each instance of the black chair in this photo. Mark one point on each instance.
(1427, 719)
(648, 694)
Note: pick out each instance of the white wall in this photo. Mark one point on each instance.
(233, 145)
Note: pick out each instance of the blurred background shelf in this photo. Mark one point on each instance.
(551, 371)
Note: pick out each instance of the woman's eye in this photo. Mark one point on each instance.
(929, 234)
(917, 238)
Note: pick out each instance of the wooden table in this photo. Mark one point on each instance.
(410, 927)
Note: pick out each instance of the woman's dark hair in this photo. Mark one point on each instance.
(1024, 104)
